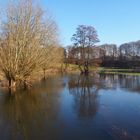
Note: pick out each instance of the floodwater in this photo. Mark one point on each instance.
(73, 107)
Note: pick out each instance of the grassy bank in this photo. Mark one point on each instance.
(72, 68)
(135, 72)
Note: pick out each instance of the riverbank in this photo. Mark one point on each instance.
(135, 72)
(71, 68)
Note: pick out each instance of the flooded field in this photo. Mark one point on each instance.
(73, 107)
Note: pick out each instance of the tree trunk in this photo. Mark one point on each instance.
(44, 74)
(86, 68)
(11, 83)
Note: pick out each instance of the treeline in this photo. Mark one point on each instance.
(29, 43)
(126, 55)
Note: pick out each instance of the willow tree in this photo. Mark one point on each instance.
(25, 31)
(84, 39)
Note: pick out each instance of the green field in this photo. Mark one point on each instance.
(119, 71)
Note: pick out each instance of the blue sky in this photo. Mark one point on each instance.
(116, 21)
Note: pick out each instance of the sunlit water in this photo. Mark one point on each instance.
(73, 107)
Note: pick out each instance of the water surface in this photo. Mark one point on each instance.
(72, 107)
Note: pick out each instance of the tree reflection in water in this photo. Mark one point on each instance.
(85, 92)
(124, 82)
(40, 112)
(31, 114)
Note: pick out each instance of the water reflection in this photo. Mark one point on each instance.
(31, 114)
(85, 92)
(73, 107)
(125, 82)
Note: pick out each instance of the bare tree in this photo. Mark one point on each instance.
(54, 56)
(24, 32)
(84, 38)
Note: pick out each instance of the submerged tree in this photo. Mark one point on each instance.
(84, 39)
(25, 31)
